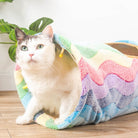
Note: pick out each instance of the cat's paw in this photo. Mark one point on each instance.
(22, 120)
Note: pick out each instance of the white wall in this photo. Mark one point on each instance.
(79, 20)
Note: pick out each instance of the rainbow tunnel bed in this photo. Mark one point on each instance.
(109, 83)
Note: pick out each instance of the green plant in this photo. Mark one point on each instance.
(6, 0)
(9, 28)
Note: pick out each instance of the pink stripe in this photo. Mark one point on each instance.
(17, 67)
(108, 67)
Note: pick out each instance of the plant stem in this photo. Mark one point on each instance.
(2, 33)
(7, 43)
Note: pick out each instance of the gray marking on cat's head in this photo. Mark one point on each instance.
(21, 36)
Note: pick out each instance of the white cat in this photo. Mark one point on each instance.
(54, 82)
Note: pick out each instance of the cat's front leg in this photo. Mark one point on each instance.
(66, 108)
(32, 108)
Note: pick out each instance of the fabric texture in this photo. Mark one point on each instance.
(109, 85)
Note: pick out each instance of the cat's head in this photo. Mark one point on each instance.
(34, 52)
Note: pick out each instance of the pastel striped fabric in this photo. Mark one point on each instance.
(109, 85)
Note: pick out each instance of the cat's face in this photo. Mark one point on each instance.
(35, 52)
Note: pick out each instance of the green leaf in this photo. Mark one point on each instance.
(6, 27)
(31, 32)
(13, 26)
(6, 0)
(40, 24)
(12, 35)
(12, 52)
(28, 32)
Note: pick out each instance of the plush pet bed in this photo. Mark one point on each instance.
(109, 83)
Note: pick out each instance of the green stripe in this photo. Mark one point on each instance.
(91, 51)
(21, 92)
(66, 43)
(86, 52)
(50, 124)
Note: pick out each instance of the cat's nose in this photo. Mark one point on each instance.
(31, 55)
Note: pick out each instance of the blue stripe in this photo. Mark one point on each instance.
(26, 99)
(128, 41)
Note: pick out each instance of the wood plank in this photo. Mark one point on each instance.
(4, 133)
(10, 107)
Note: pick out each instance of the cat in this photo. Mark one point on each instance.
(54, 82)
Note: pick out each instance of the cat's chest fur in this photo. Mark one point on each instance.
(40, 84)
(50, 90)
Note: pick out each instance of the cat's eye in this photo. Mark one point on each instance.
(24, 48)
(40, 46)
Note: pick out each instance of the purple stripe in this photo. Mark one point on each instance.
(114, 96)
(111, 81)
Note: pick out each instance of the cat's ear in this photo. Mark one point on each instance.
(48, 31)
(20, 35)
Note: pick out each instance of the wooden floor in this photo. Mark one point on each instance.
(10, 108)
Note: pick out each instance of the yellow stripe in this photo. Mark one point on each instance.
(76, 53)
(41, 119)
(18, 77)
(104, 55)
